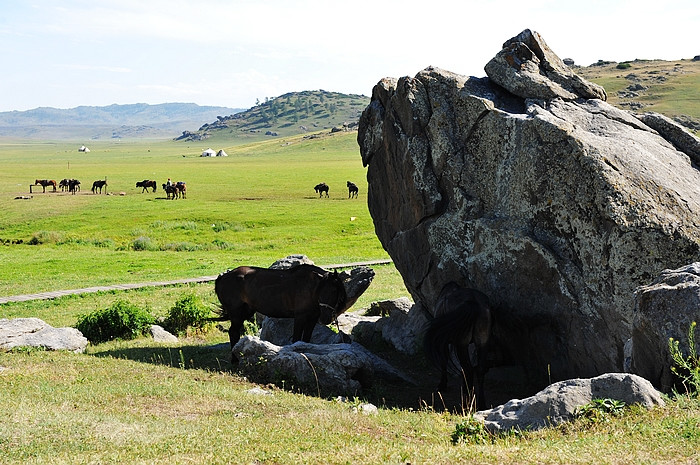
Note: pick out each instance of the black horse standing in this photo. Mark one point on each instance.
(98, 185)
(352, 189)
(306, 293)
(462, 318)
(321, 189)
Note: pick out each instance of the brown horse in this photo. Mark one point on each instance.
(321, 189)
(306, 293)
(181, 189)
(44, 183)
(462, 318)
(99, 184)
(145, 184)
(352, 190)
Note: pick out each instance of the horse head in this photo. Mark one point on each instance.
(332, 298)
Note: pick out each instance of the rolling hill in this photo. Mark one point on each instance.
(288, 114)
(671, 88)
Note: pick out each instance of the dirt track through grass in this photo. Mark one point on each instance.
(117, 287)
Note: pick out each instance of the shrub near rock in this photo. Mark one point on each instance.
(121, 320)
(188, 311)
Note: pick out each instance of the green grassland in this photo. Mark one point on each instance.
(253, 207)
(142, 402)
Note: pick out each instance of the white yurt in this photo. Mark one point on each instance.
(208, 153)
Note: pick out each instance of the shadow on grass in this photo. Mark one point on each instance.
(216, 357)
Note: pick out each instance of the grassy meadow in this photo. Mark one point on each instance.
(142, 402)
(253, 207)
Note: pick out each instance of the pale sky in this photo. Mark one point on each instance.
(69, 53)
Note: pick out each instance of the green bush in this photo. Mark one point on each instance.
(188, 312)
(623, 65)
(471, 431)
(143, 243)
(600, 410)
(687, 368)
(121, 320)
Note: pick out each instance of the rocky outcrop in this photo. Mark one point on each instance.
(328, 369)
(663, 309)
(527, 186)
(33, 332)
(559, 401)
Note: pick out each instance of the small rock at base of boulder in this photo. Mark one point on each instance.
(558, 402)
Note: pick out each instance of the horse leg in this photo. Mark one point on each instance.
(462, 349)
(479, 374)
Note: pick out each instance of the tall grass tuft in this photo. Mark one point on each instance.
(686, 367)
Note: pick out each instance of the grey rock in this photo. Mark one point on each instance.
(528, 68)
(674, 133)
(33, 332)
(556, 209)
(290, 261)
(331, 369)
(663, 309)
(405, 326)
(161, 335)
(558, 402)
(356, 282)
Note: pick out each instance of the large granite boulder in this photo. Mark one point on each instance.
(555, 204)
(663, 309)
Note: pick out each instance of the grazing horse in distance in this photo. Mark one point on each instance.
(73, 186)
(99, 184)
(63, 184)
(462, 318)
(352, 189)
(145, 184)
(44, 183)
(321, 188)
(307, 293)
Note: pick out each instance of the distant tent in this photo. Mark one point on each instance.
(84, 149)
(208, 153)
(221, 153)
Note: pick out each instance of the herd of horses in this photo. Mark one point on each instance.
(322, 188)
(456, 337)
(174, 191)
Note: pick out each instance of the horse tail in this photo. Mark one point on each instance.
(223, 311)
(446, 330)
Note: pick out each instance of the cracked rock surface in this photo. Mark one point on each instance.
(529, 187)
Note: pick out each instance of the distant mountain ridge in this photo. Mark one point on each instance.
(139, 120)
